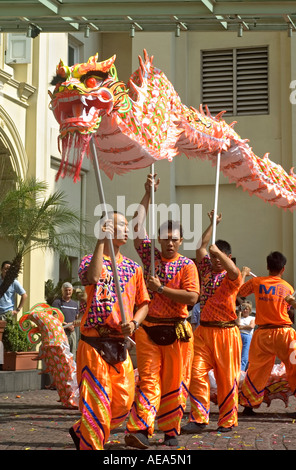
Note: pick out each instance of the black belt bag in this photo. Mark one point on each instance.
(112, 350)
(163, 335)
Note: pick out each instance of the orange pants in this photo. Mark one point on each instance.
(266, 345)
(218, 349)
(106, 396)
(162, 390)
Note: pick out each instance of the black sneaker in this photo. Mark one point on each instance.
(191, 428)
(170, 440)
(75, 438)
(248, 411)
(138, 439)
(224, 429)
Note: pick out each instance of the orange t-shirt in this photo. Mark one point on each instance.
(103, 307)
(221, 306)
(270, 292)
(177, 273)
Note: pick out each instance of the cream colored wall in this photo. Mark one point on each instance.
(14, 105)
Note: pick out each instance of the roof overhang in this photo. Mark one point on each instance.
(51, 16)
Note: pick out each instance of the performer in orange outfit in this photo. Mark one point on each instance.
(274, 337)
(165, 340)
(217, 341)
(105, 372)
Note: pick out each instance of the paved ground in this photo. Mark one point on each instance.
(36, 421)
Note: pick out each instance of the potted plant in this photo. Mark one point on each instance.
(2, 328)
(19, 353)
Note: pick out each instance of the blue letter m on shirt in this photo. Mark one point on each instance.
(264, 290)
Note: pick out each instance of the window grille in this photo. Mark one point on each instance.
(236, 80)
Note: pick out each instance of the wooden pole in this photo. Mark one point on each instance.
(109, 239)
(152, 266)
(216, 199)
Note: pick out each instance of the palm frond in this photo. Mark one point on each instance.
(31, 219)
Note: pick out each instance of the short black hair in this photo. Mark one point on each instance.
(110, 214)
(171, 225)
(276, 261)
(4, 263)
(223, 246)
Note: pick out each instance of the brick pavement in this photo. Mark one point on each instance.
(35, 420)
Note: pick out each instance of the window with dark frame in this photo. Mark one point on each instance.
(235, 80)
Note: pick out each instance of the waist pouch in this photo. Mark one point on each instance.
(112, 350)
(163, 335)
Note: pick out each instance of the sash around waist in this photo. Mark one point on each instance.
(151, 319)
(218, 324)
(267, 326)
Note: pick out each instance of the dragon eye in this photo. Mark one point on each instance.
(91, 82)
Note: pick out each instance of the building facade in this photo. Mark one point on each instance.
(265, 114)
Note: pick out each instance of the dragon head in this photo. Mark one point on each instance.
(84, 93)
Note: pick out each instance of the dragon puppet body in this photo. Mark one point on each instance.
(136, 125)
(44, 324)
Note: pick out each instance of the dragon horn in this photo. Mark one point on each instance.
(62, 69)
(93, 65)
(61, 64)
(93, 59)
(105, 65)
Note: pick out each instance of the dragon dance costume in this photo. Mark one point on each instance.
(274, 337)
(54, 349)
(144, 121)
(164, 348)
(140, 123)
(217, 346)
(106, 388)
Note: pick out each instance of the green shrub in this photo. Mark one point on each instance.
(14, 339)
